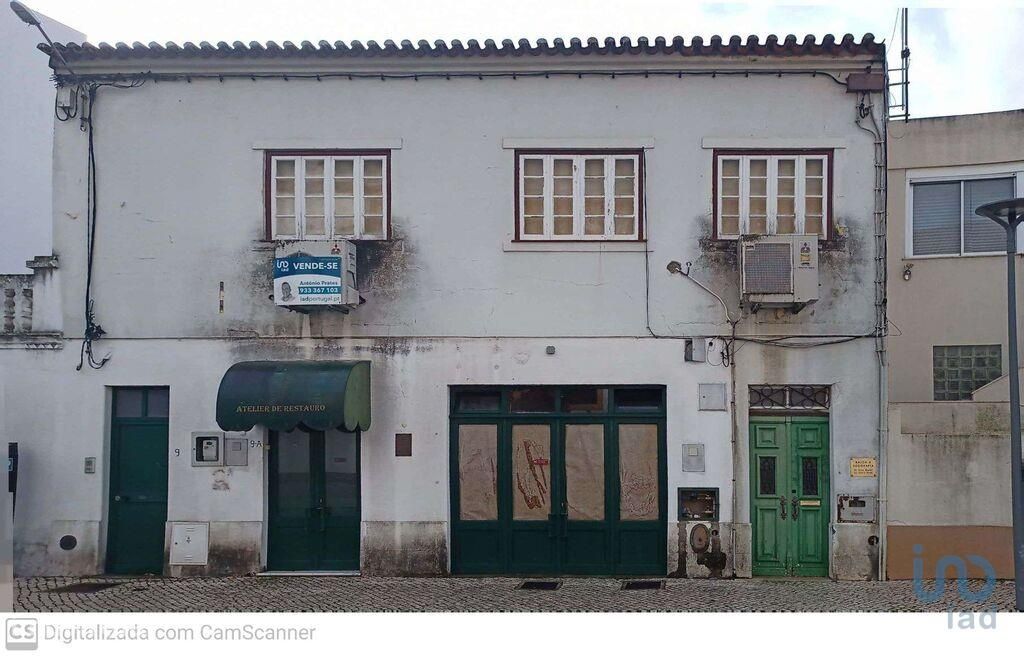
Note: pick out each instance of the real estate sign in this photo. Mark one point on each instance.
(307, 280)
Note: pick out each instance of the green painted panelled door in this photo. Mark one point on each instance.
(138, 481)
(568, 495)
(314, 515)
(789, 495)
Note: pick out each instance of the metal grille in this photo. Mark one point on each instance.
(643, 585)
(539, 585)
(800, 397)
(768, 268)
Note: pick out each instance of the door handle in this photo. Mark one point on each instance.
(796, 508)
(782, 507)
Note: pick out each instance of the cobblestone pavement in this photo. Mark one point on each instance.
(321, 593)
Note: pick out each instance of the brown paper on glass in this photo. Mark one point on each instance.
(531, 472)
(638, 471)
(478, 472)
(584, 471)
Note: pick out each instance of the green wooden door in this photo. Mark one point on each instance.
(314, 513)
(138, 481)
(564, 494)
(789, 492)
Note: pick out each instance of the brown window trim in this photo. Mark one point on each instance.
(268, 155)
(640, 206)
(828, 153)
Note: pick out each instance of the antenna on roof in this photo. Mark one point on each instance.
(899, 78)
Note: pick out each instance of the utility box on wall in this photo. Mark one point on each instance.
(190, 543)
(857, 508)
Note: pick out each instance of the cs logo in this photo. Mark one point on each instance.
(22, 633)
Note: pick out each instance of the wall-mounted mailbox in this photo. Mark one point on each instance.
(236, 452)
(857, 508)
(698, 504)
(206, 449)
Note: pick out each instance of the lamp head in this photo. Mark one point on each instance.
(1005, 212)
(24, 13)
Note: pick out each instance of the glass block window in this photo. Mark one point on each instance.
(328, 195)
(589, 196)
(777, 193)
(959, 370)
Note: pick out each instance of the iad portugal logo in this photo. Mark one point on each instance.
(22, 633)
(963, 620)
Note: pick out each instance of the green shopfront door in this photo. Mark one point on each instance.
(551, 480)
(314, 515)
(789, 473)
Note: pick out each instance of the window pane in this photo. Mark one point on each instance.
(284, 226)
(936, 218)
(343, 168)
(532, 399)
(730, 168)
(158, 403)
(373, 167)
(315, 204)
(286, 186)
(344, 226)
(983, 235)
(373, 186)
(563, 186)
(533, 225)
(594, 225)
(478, 401)
(766, 475)
(758, 168)
(373, 226)
(638, 472)
(730, 225)
(730, 207)
(285, 168)
(314, 168)
(624, 167)
(625, 225)
(316, 226)
(594, 167)
(286, 207)
(478, 472)
(128, 402)
(814, 167)
(584, 471)
(533, 186)
(533, 167)
(531, 472)
(809, 467)
(563, 225)
(638, 399)
(344, 206)
(814, 225)
(373, 206)
(563, 167)
(730, 186)
(585, 399)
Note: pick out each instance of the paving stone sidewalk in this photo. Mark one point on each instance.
(320, 593)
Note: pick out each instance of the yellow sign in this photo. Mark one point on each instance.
(863, 467)
(813, 503)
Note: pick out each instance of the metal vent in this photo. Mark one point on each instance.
(768, 268)
(643, 585)
(539, 585)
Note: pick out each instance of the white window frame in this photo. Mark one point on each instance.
(959, 174)
(579, 196)
(330, 159)
(799, 198)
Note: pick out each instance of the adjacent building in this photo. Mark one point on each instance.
(583, 307)
(948, 465)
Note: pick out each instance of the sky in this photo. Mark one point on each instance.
(962, 54)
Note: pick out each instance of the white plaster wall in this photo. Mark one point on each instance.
(181, 203)
(26, 132)
(181, 209)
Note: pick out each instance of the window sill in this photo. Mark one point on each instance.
(954, 256)
(538, 246)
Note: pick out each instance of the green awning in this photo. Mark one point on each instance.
(318, 395)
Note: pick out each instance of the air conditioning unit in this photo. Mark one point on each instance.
(310, 274)
(779, 270)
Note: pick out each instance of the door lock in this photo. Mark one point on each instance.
(782, 506)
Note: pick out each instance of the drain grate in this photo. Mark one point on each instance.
(643, 585)
(83, 588)
(539, 585)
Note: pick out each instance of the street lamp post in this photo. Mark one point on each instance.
(1009, 214)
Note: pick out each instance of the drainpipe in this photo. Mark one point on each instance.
(735, 452)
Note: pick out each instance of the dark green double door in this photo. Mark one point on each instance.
(789, 496)
(314, 516)
(558, 496)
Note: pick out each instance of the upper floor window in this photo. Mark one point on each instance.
(592, 195)
(328, 195)
(772, 193)
(942, 218)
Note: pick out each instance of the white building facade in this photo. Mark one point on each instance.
(536, 377)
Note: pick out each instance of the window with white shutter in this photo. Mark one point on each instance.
(328, 195)
(943, 219)
(585, 196)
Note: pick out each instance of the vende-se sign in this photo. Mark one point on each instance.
(307, 280)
